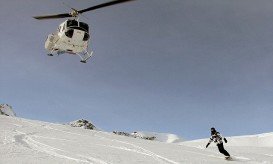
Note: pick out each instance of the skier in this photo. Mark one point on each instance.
(218, 139)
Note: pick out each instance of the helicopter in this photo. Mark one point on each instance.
(72, 35)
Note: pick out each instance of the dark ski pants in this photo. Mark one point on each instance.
(222, 149)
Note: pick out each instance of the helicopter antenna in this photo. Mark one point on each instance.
(74, 12)
(66, 5)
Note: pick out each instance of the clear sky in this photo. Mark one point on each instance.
(176, 66)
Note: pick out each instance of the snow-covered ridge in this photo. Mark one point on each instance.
(7, 110)
(258, 140)
(135, 135)
(153, 136)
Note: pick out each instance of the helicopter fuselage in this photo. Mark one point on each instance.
(71, 37)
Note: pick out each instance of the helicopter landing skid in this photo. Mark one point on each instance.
(86, 56)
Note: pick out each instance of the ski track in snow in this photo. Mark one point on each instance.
(52, 138)
(234, 157)
(137, 149)
(143, 151)
(27, 141)
(270, 155)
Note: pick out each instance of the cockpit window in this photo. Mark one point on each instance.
(77, 25)
(71, 23)
(84, 26)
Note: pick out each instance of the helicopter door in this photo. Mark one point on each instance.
(85, 28)
(78, 34)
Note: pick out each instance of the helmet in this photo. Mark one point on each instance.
(212, 130)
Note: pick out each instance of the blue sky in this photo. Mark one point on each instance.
(177, 66)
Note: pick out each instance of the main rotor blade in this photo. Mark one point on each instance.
(65, 15)
(103, 5)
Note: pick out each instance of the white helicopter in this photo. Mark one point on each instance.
(72, 36)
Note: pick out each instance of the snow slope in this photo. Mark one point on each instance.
(25, 141)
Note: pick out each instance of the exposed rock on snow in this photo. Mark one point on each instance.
(161, 137)
(83, 124)
(134, 135)
(122, 134)
(7, 110)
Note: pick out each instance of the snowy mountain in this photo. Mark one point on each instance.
(25, 141)
(7, 110)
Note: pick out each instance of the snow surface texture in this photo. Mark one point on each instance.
(25, 141)
(6, 109)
